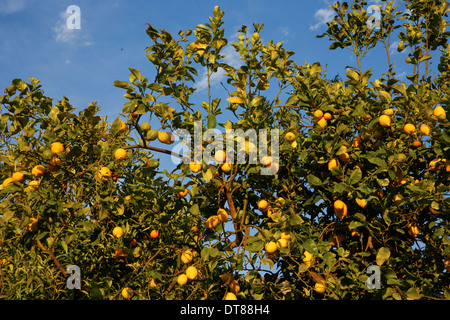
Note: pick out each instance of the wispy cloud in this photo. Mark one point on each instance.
(231, 58)
(322, 16)
(13, 6)
(70, 36)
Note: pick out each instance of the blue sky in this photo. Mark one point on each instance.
(83, 64)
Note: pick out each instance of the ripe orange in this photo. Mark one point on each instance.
(54, 164)
(318, 114)
(38, 171)
(165, 137)
(191, 272)
(220, 156)
(270, 247)
(127, 293)
(7, 182)
(230, 296)
(282, 243)
(182, 194)
(57, 147)
(267, 160)
(322, 122)
(226, 167)
(417, 143)
(309, 257)
(123, 127)
(222, 215)
(361, 202)
(117, 232)
(327, 116)
(340, 209)
(120, 254)
(104, 173)
(33, 185)
(289, 137)
(320, 287)
(384, 120)
(212, 222)
(17, 176)
(425, 130)
(263, 205)
(120, 154)
(195, 167)
(182, 279)
(333, 163)
(154, 234)
(439, 112)
(409, 128)
(187, 256)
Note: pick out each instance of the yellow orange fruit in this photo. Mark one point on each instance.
(308, 257)
(38, 171)
(361, 202)
(282, 243)
(33, 185)
(267, 160)
(191, 272)
(154, 234)
(285, 235)
(212, 222)
(425, 130)
(226, 167)
(57, 147)
(413, 230)
(117, 232)
(409, 128)
(222, 215)
(182, 279)
(340, 209)
(318, 114)
(182, 194)
(187, 256)
(127, 293)
(344, 157)
(165, 137)
(384, 120)
(327, 116)
(439, 112)
(417, 143)
(289, 137)
(320, 287)
(120, 154)
(104, 173)
(17, 176)
(322, 122)
(230, 296)
(220, 156)
(271, 247)
(333, 163)
(195, 167)
(54, 164)
(123, 127)
(263, 205)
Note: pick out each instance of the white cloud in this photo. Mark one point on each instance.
(322, 16)
(12, 6)
(70, 36)
(231, 58)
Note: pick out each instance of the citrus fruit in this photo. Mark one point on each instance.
(289, 137)
(57, 147)
(384, 120)
(195, 167)
(340, 209)
(220, 156)
(38, 171)
(425, 130)
(222, 215)
(120, 154)
(182, 279)
(230, 296)
(263, 205)
(319, 287)
(17, 176)
(127, 293)
(104, 173)
(409, 128)
(191, 272)
(187, 256)
(318, 114)
(117, 232)
(271, 247)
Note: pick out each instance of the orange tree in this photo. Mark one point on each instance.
(353, 185)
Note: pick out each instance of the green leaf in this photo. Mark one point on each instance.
(352, 74)
(295, 220)
(355, 176)
(134, 75)
(382, 255)
(412, 294)
(313, 180)
(207, 175)
(256, 101)
(310, 246)
(212, 122)
(123, 85)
